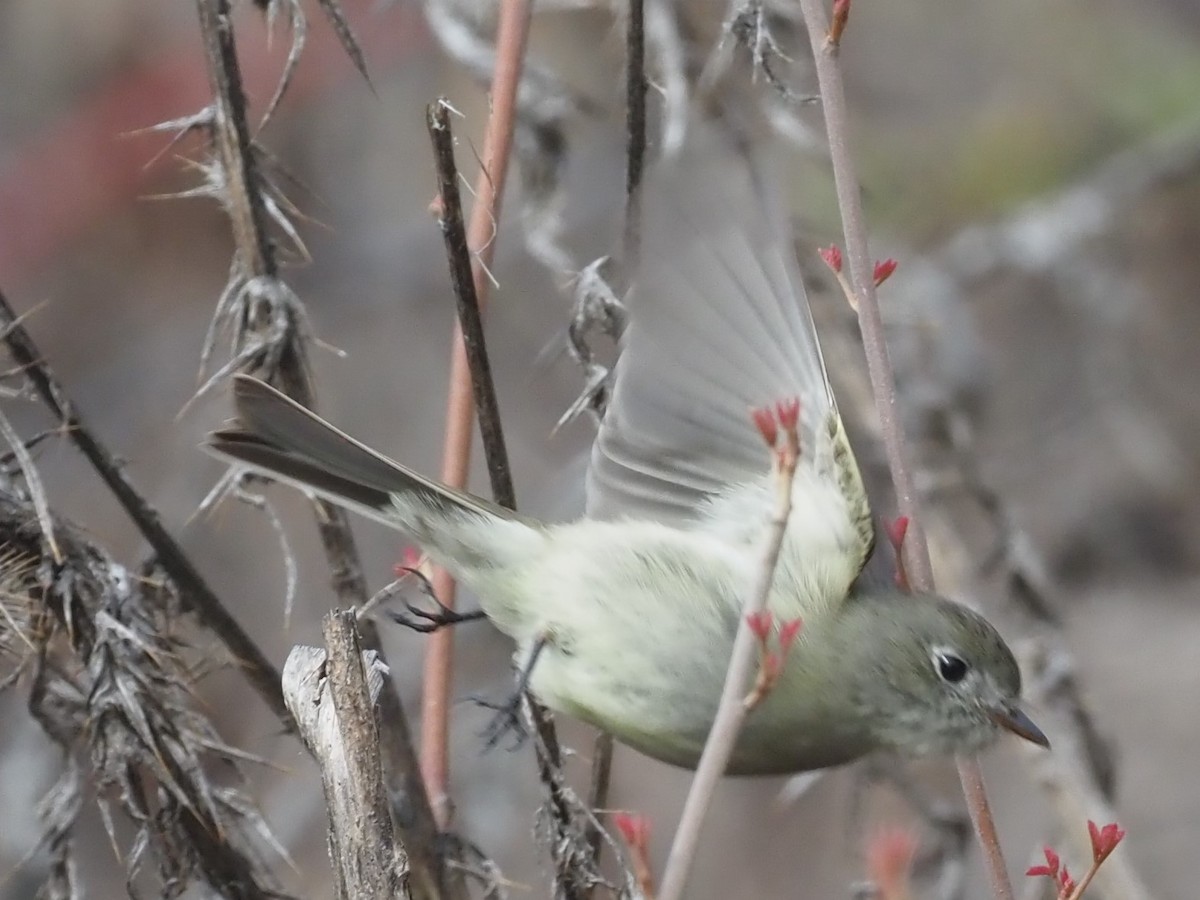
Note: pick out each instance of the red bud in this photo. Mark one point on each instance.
(760, 623)
(788, 632)
(1104, 840)
(634, 828)
(832, 256)
(764, 420)
(788, 412)
(841, 13)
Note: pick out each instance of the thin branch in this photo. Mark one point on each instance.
(598, 784)
(733, 708)
(484, 392)
(198, 596)
(635, 126)
(883, 384)
(466, 299)
(511, 37)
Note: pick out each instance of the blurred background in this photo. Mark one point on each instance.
(1034, 167)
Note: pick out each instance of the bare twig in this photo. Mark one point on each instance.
(198, 596)
(732, 710)
(470, 322)
(510, 53)
(599, 781)
(484, 392)
(635, 126)
(825, 45)
(332, 695)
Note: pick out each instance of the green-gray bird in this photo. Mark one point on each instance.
(636, 604)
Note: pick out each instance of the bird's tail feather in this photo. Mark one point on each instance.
(278, 437)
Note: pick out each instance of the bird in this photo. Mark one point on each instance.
(629, 612)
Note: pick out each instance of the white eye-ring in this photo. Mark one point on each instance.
(951, 667)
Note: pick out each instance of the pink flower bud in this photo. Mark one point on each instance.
(1050, 870)
(884, 270)
(760, 623)
(788, 412)
(634, 828)
(832, 256)
(897, 531)
(788, 632)
(764, 420)
(841, 13)
(1104, 840)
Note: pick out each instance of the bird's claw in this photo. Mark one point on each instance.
(507, 720)
(427, 621)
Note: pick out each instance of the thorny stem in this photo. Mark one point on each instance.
(732, 711)
(883, 384)
(194, 590)
(511, 36)
(243, 201)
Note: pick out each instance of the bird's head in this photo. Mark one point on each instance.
(939, 677)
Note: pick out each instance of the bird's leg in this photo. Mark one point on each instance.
(427, 621)
(507, 719)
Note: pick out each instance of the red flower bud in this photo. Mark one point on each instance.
(1104, 840)
(1050, 870)
(634, 828)
(788, 412)
(884, 270)
(788, 632)
(897, 530)
(764, 420)
(760, 623)
(832, 256)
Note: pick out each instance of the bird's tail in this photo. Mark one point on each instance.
(277, 437)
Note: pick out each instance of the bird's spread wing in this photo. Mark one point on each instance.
(719, 324)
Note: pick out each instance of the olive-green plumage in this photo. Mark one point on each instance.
(638, 602)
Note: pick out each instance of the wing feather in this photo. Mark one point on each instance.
(718, 324)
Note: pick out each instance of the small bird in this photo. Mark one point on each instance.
(633, 608)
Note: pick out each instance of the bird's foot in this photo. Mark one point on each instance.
(427, 621)
(506, 721)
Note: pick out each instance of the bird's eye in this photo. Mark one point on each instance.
(952, 668)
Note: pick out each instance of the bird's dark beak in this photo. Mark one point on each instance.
(1011, 718)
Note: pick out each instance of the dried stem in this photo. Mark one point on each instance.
(112, 684)
(484, 393)
(635, 161)
(466, 298)
(511, 37)
(635, 126)
(732, 710)
(194, 590)
(332, 694)
(883, 383)
(243, 198)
